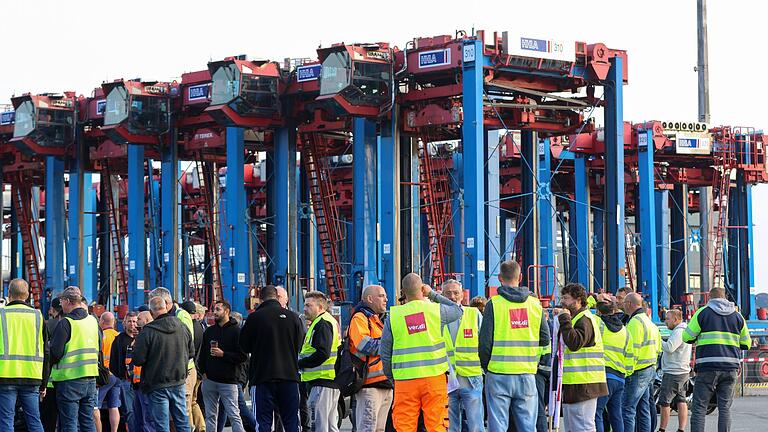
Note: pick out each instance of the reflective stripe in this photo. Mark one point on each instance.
(78, 363)
(418, 363)
(375, 373)
(722, 338)
(584, 355)
(514, 344)
(80, 351)
(717, 360)
(514, 359)
(690, 333)
(468, 363)
(645, 362)
(613, 349)
(421, 349)
(583, 369)
(466, 350)
(324, 367)
(21, 357)
(644, 343)
(363, 342)
(4, 323)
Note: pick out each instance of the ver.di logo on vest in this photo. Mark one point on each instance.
(518, 318)
(416, 323)
(468, 333)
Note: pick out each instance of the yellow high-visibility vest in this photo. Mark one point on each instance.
(516, 327)
(463, 351)
(327, 369)
(587, 365)
(418, 347)
(21, 331)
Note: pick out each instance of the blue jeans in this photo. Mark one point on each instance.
(246, 414)
(513, 395)
(76, 400)
(636, 402)
(169, 400)
(127, 393)
(28, 396)
(469, 397)
(613, 403)
(709, 383)
(141, 420)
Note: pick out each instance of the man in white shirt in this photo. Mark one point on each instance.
(676, 366)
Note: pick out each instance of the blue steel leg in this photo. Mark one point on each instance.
(494, 251)
(598, 247)
(678, 255)
(415, 208)
(474, 168)
(170, 219)
(615, 257)
(364, 190)
(54, 223)
(17, 255)
(581, 221)
(284, 211)
(75, 222)
(457, 208)
(389, 207)
(155, 226)
(137, 236)
(526, 227)
(546, 217)
(88, 252)
(648, 280)
(234, 224)
(662, 247)
(750, 247)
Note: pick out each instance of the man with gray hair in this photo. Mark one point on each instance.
(75, 350)
(461, 342)
(162, 350)
(174, 310)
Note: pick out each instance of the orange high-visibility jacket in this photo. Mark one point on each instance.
(362, 333)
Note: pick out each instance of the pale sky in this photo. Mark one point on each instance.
(75, 45)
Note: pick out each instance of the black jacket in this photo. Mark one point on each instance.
(222, 369)
(199, 328)
(273, 336)
(163, 349)
(46, 359)
(117, 355)
(515, 295)
(63, 333)
(322, 339)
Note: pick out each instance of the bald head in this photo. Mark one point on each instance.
(632, 302)
(411, 287)
(375, 297)
(144, 318)
(282, 296)
(107, 321)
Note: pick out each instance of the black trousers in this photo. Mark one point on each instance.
(282, 397)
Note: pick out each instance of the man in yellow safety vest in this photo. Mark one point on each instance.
(583, 360)
(317, 361)
(75, 347)
(461, 342)
(413, 351)
(24, 367)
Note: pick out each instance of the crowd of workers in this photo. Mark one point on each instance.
(429, 363)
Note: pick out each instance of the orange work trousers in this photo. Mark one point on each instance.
(428, 395)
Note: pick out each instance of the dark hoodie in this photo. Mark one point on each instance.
(222, 369)
(576, 337)
(614, 324)
(163, 349)
(515, 295)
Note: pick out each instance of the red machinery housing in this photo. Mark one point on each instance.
(44, 124)
(137, 112)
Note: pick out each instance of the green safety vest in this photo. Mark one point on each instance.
(418, 347)
(587, 365)
(463, 351)
(81, 353)
(646, 341)
(618, 350)
(326, 370)
(516, 328)
(186, 319)
(21, 328)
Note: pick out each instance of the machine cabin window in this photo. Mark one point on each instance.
(336, 71)
(117, 106)
(25, 119)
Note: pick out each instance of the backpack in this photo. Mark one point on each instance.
(351, 371)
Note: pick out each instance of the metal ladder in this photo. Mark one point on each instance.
(30, 235)
(439, 227)
(724, 162)
(207, 183)
(326, 214)
(630, 257)
(115, 236)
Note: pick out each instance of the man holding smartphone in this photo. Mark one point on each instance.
(220, 357)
